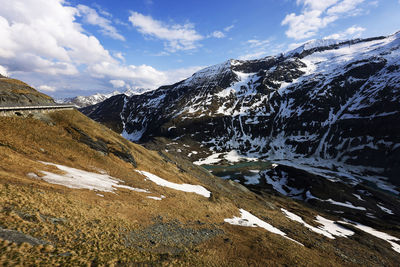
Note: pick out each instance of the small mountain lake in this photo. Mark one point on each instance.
(246, 172)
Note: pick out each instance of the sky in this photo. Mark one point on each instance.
(66, 48)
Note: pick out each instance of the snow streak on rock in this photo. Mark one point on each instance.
(249, 220)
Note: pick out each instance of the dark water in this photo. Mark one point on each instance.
(238, 170)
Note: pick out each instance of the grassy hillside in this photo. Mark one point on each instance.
(15, 92)
(51, 224)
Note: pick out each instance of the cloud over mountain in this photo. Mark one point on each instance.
(60, 46)
(176, 36)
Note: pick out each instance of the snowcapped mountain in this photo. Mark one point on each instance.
(328, 107)
(84, 101)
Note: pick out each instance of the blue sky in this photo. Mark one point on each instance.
(80, 47)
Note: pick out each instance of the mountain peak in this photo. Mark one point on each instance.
(314, 44)
(214, 72)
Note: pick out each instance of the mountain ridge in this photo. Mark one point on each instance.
(330, 110)
(84, 101)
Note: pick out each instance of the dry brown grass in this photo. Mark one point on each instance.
(19, 87)
(93, 228)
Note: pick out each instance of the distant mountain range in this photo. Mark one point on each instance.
(84, 101)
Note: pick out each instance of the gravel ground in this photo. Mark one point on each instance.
(169, 237)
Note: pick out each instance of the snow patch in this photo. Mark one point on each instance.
(378, 234)
(133, 136)
(249, 220)
(328, 228)
(333, 228)
(280, 184)
(388, 211)
(198, 189)
(233, 156)
(358, 197)
(79, 179)
(212, 159)
(156, 198)
(347, 204)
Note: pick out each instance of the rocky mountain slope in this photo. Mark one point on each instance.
(84, 101)
(330, 108)
(73, 192)
(16, 93)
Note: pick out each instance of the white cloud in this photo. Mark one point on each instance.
(316, 15)
(295, 45)
(255, 55)
(230, 27)
(57, 44)
(117, 83)
(344, 7)
(177, 75)
(352, 32)
(42, 44)
(375, 3)
(120, 56)
(3, 71)
(161, 54)
(92, 17)
(258, 43)
(221, 34)
(102, 11)
(177, 37)
(258, 48)
(120, 22)
(142, 76)
(355, 30)
(46, 88)
(218, 34)
(317, 4)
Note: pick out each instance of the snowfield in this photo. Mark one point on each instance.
(198, 189)
(79, 179)
(232, 156)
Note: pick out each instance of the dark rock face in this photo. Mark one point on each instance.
(18, 237)
(334, 107)
(351, 201)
